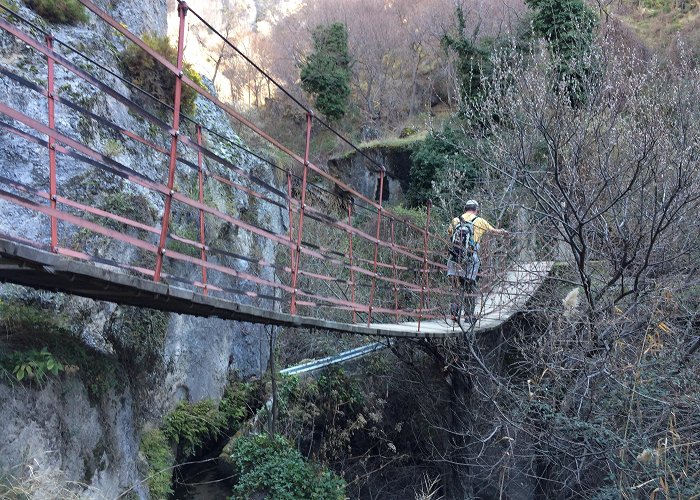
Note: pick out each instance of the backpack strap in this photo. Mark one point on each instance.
(472, 221)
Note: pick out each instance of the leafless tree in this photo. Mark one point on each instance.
(593, 391)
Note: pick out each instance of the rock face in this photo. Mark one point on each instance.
(60, 433)
(361, 173)
(56, 435)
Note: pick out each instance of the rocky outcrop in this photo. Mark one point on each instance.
(55, 437)
(358, 171)
(62, 434)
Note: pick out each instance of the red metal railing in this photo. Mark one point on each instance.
(359, 260)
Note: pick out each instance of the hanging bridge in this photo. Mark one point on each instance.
(84, 221)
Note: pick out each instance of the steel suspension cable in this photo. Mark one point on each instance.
(282, 88)
(168, 106)
(151, 96)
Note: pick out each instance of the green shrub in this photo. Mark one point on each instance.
(36, 342)
(441, 151)
(336, 388)
(17, 317)
(59, 11)
(35, 365)
(417, 216)
(408, 132)
(156, 79)
(270, 465)
(191, 425)
(156, 449)
(138, 334)
(235, 404)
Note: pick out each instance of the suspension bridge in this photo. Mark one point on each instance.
(356, 268)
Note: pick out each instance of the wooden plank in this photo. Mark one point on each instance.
(25, 265)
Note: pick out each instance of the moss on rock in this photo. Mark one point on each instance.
(156, 450)
(29, 328)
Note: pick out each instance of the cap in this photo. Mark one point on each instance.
(471, 204)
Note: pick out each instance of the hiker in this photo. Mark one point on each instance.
(465, 234)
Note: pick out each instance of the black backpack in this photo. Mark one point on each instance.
(463, 243)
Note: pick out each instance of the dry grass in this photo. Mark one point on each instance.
(659, 26)
(32, 481)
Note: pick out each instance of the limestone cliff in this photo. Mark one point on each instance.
(360, 170)
(79, 431)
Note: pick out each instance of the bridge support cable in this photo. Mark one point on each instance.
(424, 277)
(302, 209)
(393, 266)
(376, 247)
(200, 186)
(352, 271)
(382, 271)
(52, 144)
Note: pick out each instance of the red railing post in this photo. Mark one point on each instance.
(393, 263)
(52, 146)
(291, 222)
(182, 11)
(297, 259)
(424, 278)
(376, 247)
(200, 173)
(352, 271)
(427, 273)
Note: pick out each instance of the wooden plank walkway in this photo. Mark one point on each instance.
(25, 265)
(494, 308)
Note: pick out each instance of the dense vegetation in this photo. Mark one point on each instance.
(154, 78)
(272, 466)
(59, 11)
(326, 72)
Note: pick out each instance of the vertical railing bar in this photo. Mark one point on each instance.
(52, 145)
(424, 278)
(393, 263)
(427, 274)
(352, 271)
(302, 207)
(376, 247)
(182, 11)
(201, 211)
(292, 250)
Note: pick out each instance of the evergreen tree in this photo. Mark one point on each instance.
(326, 71)
(431, 159)
(569, 27)
(472, 57)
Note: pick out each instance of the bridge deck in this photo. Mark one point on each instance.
(25, 265)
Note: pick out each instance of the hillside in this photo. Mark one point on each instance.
(575, 129)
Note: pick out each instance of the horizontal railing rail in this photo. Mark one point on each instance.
(355, 262)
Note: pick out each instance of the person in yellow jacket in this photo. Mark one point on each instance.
(464, 272)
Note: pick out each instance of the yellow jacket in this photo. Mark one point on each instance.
(481, 225)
